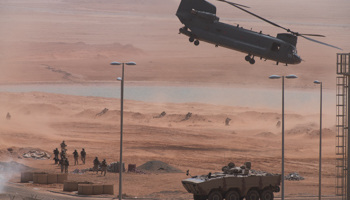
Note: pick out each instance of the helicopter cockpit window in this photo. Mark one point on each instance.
(275, 47)
(292, 50)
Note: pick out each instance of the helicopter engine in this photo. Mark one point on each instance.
(205, 15)
(291, 39)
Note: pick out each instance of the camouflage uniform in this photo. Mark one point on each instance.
(63, 145)
(66, 164)
(96, 163)
(62, 164)
(63, 154)
(76, 156)
(104, 167)
(56, 152)
(83, 155)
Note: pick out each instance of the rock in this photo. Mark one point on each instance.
(294, 177)
(156, 166)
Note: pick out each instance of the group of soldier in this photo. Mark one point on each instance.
(64, 163)
(103, 165)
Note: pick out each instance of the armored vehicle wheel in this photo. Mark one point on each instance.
(267, 195)
(215, 195)
(252, 195)
(232, 195)
(196, 42)
(191, 39)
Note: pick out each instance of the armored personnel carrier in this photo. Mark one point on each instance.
(234, 183)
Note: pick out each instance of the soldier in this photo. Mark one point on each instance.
(63, 154)
(278, 124)
(56, 160)
(227, 121)
(63, 145)
(66, 164)
(76, 156)
(8, 116)
(104, 167)
(83, 155)
(56, 152)
(62, 164)
(96, 163)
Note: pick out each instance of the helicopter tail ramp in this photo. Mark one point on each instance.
(342, 186)
(186, 6)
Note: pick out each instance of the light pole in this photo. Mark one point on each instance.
(277, 77)
(121, 124)
(320, 159)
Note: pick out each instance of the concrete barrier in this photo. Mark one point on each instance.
(108, 189)
(73, 185)
(61, 178)
(41, 178)
(36, 177)
(51, 178)
(97, 189)
(70, 186)
(85, 189)
(26, 177)
(131, 167)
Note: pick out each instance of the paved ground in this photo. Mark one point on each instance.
(21, 192)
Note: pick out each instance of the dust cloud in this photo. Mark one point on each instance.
(66, 43)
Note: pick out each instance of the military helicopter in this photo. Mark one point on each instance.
(202, 24)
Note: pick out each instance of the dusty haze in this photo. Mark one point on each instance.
(73, 42)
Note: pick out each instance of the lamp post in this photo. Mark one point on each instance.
(320, 159)
(277, 77)
(121, 123)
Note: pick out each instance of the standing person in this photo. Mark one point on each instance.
(83, 155)
(66, 164)
(62, 164)
(96, 163)
(56, 152)
(63, 154)
(76, 156)
(63, 145)
(8, 116)
(104, 167)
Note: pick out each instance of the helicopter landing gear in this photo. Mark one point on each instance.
(250, 59)
(196, 42)
(191, 39)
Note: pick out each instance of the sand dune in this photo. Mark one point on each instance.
(201, 143)
(74, 42)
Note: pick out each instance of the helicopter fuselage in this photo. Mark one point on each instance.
(204, 25)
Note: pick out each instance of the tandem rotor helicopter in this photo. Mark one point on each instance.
(202, 24)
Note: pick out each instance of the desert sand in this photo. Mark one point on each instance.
(73, 42)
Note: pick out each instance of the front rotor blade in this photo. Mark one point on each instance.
(314, 35)
(235, 5)
(321, 42)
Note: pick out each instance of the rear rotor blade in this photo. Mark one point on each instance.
(320, 42)
(237, 6)
(274, 24)
(234, 4)
(270, 22)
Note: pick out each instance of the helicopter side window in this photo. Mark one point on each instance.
(275, 47)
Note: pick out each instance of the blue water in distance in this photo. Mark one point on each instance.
(247, 97)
